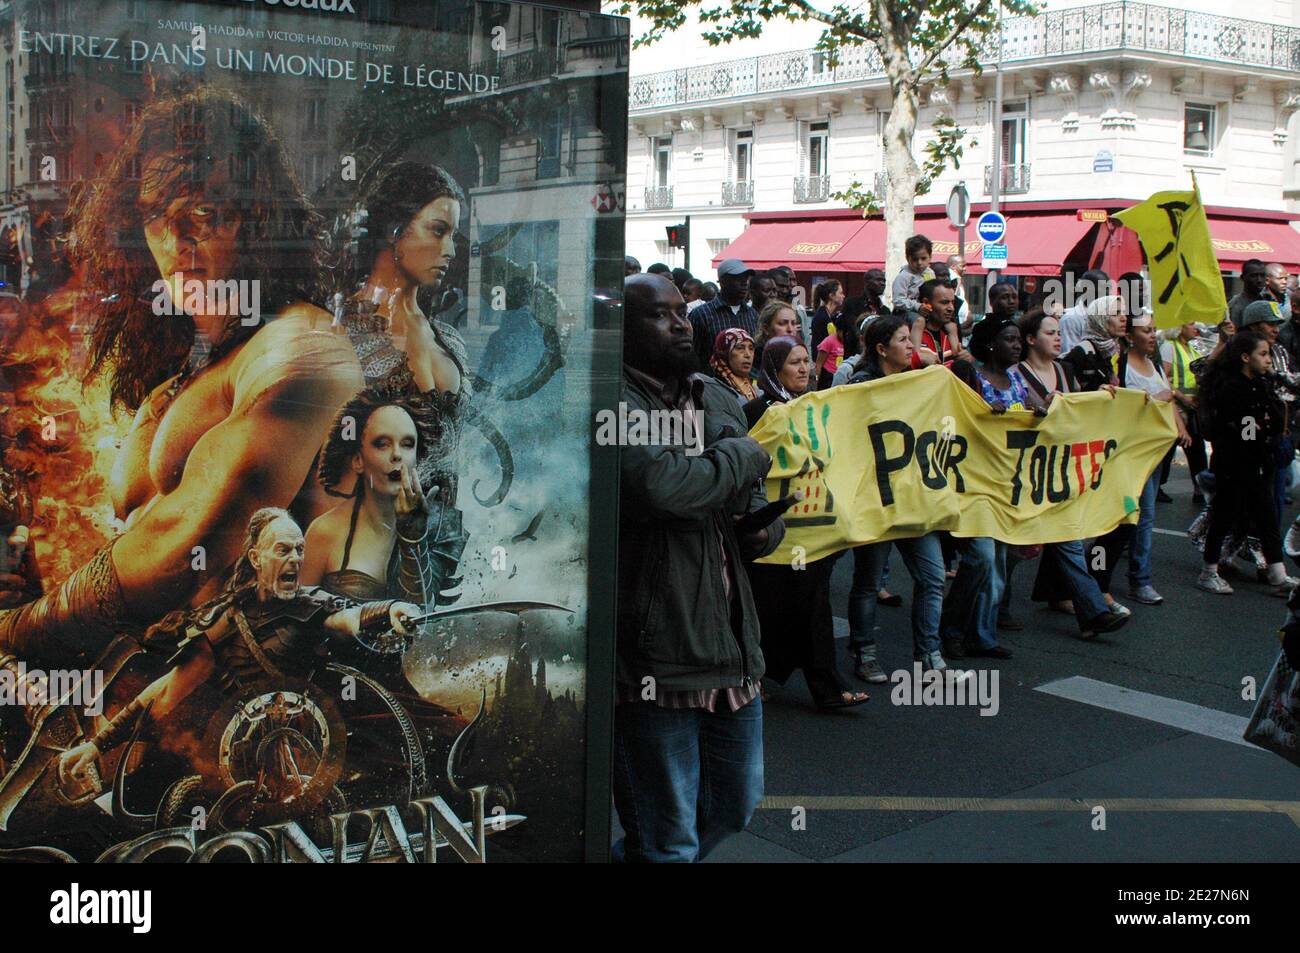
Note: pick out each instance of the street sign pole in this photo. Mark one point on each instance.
(995, 186)
(687, 264)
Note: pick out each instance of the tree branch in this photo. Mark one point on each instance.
(830, 20)
(957, 31)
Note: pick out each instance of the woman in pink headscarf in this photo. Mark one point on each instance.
(732, 358)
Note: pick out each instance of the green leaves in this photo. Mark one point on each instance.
(945, 147)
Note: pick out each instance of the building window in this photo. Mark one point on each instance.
(817, 149)
(661, 149)
(316, 109)
(549, 142)
(1015, 134)
(717, 245)
(742, 155)
(1200, 127)
(819, 64)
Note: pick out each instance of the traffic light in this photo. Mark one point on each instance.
(678, 235)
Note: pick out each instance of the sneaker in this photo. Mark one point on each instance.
(869, 670)
(1292, 542)
(1213, 582)
(1145, 595)
(1123, 610)
(1284, 588)
(933, 661)
(1106, 622)
(952, 648)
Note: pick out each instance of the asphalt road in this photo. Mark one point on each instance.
(910, 783)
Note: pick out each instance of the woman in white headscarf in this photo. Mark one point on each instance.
(1093, 358)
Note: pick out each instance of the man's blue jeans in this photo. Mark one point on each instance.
(923, 557)
(1138, 539)
(1084, 592)
(970, 613)
(684, 778)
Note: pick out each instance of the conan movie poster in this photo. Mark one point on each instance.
(296, 382)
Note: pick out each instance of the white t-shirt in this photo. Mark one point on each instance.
(1074, 324)
(1153, 385)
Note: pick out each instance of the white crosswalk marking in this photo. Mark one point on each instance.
(1167, 711)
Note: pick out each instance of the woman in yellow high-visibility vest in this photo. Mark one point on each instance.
(1177, 355)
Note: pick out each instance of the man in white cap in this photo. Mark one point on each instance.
(730, 309)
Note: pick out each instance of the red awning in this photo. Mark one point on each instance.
(1039, 244)
(797, 244)
(1237, 240)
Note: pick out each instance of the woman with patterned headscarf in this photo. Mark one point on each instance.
(794, 604)
(1093, 358)
(731, 361)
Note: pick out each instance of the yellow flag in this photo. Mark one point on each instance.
(1185, 281)
(920, 451)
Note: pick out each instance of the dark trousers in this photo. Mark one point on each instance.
(1195, 455)
(684, 778)
(1245, 495)
(798, 627)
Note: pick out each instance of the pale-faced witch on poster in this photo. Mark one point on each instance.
(297, 369)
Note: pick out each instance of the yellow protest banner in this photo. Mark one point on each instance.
(920, 451)
(1185, 281)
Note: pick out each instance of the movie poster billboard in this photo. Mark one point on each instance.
(304, 309)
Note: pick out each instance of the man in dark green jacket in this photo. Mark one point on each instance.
(689, 718)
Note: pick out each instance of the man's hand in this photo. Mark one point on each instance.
(12, 587)
(78, 767)
(400, 613)
(751, 544)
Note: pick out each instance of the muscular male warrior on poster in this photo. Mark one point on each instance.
(229, 411)
(266, 628)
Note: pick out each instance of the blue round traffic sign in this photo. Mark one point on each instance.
(992, 227)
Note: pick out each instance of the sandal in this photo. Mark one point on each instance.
(857, 698)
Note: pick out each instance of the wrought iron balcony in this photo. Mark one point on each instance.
(528, 66)
(812, 188)
(737, 193)
(1014, 179)
(659, 196)
(1121, 27)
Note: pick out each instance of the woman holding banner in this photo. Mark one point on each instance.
(1139, 369)
(794, 603)
(1063, 580)
(887, 350)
